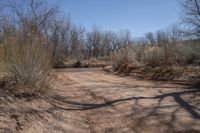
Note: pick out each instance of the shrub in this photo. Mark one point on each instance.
(59, 63)
(124, 56)
(29, 62)
(186, 53)
(153, 56)
(1, 57)
(171, 54)
(77, 64)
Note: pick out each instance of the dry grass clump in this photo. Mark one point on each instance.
(178, 54)
(91, 62)
(166, 73)
(157, 62)
(186, 53)
(1, 57)
(153, 56)
(94, 62)
(124, 56)
(29, 62)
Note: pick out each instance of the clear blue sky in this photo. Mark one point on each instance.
(139, 16)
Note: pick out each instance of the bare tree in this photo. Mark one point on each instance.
(107, 42)
(114, 40)
(32, 15)
(150, 38)
(125, 38)
(175, 33)
(94, 41)
(191, 16)
(76, 38)
(64, 33)
(162, 38)
(59, 36)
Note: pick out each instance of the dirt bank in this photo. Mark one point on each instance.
(92, 101)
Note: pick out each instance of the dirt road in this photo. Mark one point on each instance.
(92, 101)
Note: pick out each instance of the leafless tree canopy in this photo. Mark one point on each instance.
(191, 16)
(37, 19)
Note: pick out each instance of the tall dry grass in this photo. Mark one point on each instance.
(178, 54)
(153, 56)
(124, 56)
(2, 58)
(29, 62)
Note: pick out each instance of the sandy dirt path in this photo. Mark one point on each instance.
(93, 101)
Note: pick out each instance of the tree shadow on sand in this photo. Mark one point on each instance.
(191, 106)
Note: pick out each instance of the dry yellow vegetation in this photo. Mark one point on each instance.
(1, 56)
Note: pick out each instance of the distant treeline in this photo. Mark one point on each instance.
(37, 19)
